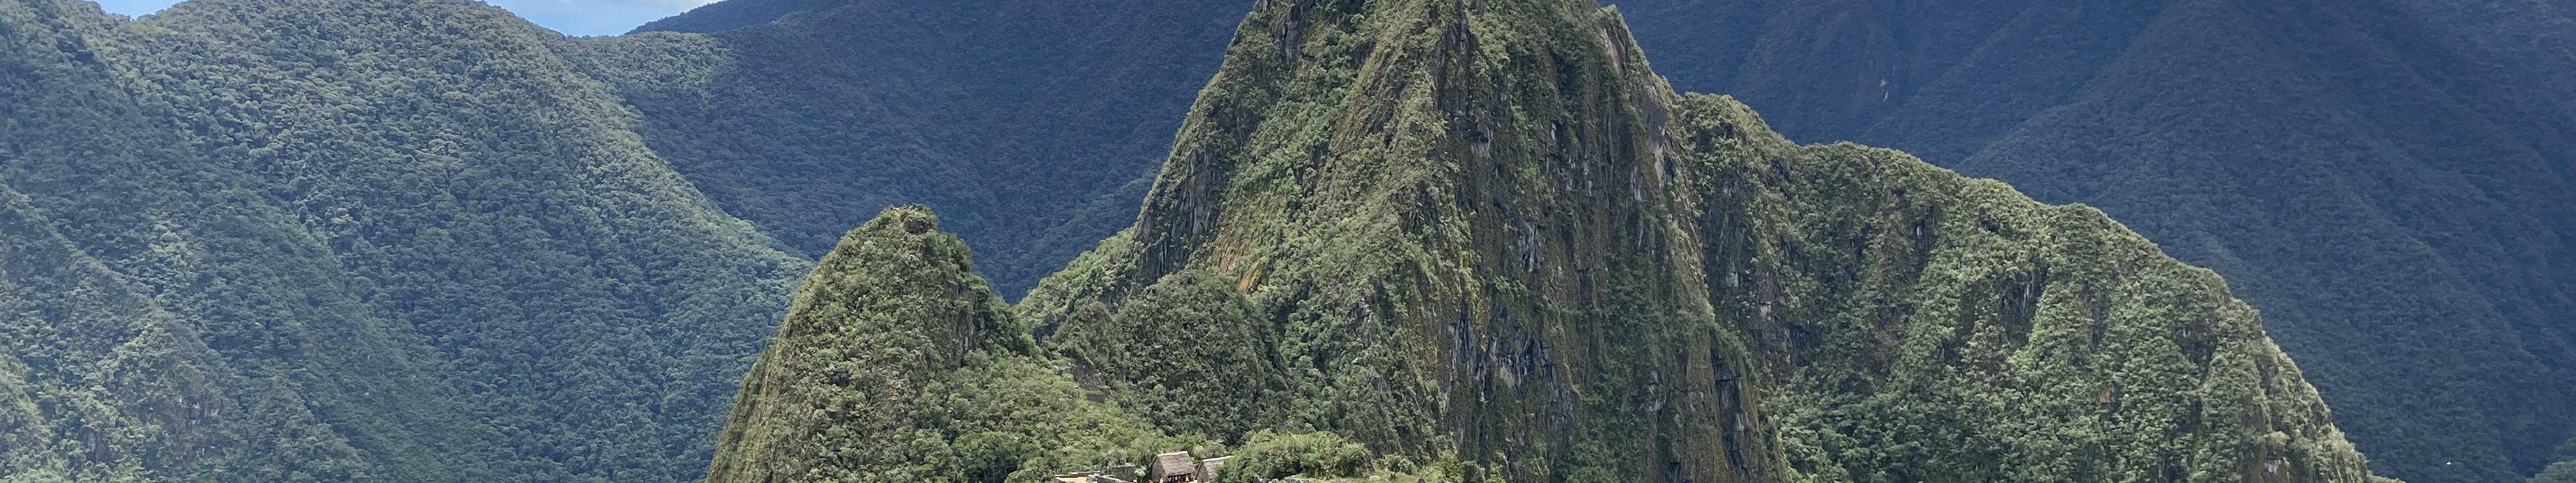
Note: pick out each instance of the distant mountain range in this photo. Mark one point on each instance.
(336, 240)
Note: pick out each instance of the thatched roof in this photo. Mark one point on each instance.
(1174, 463)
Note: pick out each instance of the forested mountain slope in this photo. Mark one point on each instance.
(98, 383)
(411, 220)
(208, 266)
(1486, 231)
(426, 241)
(896, 363)
(1029, 124)
(2389, 180)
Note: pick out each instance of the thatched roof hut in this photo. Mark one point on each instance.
(1173, 467)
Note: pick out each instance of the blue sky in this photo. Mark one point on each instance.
(572, 17)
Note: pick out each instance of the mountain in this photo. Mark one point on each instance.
(2388, 180)
(427, 241)
(1484, 235)
(99, 383)
(426, 247)
(896, 362)
(2382, 178)
(131, 261)
(2557, 473)
(1029, 124)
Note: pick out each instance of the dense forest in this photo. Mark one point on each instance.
(425, 246)
(408, 240)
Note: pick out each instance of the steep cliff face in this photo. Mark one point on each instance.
(1485, 230)
(1469, 228)
(2384, 178)
(1924, 326)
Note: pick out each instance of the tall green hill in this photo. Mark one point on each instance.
(1486, 231)
(2385, 178)
(178, 247)
(2389, 180)
(897, 363)
(413, 222)
(99, 383)
(427, 241)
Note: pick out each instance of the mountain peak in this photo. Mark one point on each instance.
(1486, 230)
(1473, 212)
(891, 309)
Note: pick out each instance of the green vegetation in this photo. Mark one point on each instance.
(2372, 174)
(98, 383)
(1407, 240)
(418, 244)
(1032, 125)
(1187, 353)
(896, 363)
(1268, 455)
(2560, 472)
(1487, 235)
(2034, 342)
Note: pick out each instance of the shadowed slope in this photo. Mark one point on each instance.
(1030, 125)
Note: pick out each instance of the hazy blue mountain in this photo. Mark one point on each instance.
(1030, 125)
(428, 241)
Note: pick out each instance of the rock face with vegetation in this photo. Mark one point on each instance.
(1485, 231)
(1470, 231)
(1923, 326)
(2382, 177)
(400, 240)
(897, 363)
(2385, 178)
(2388, 180)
